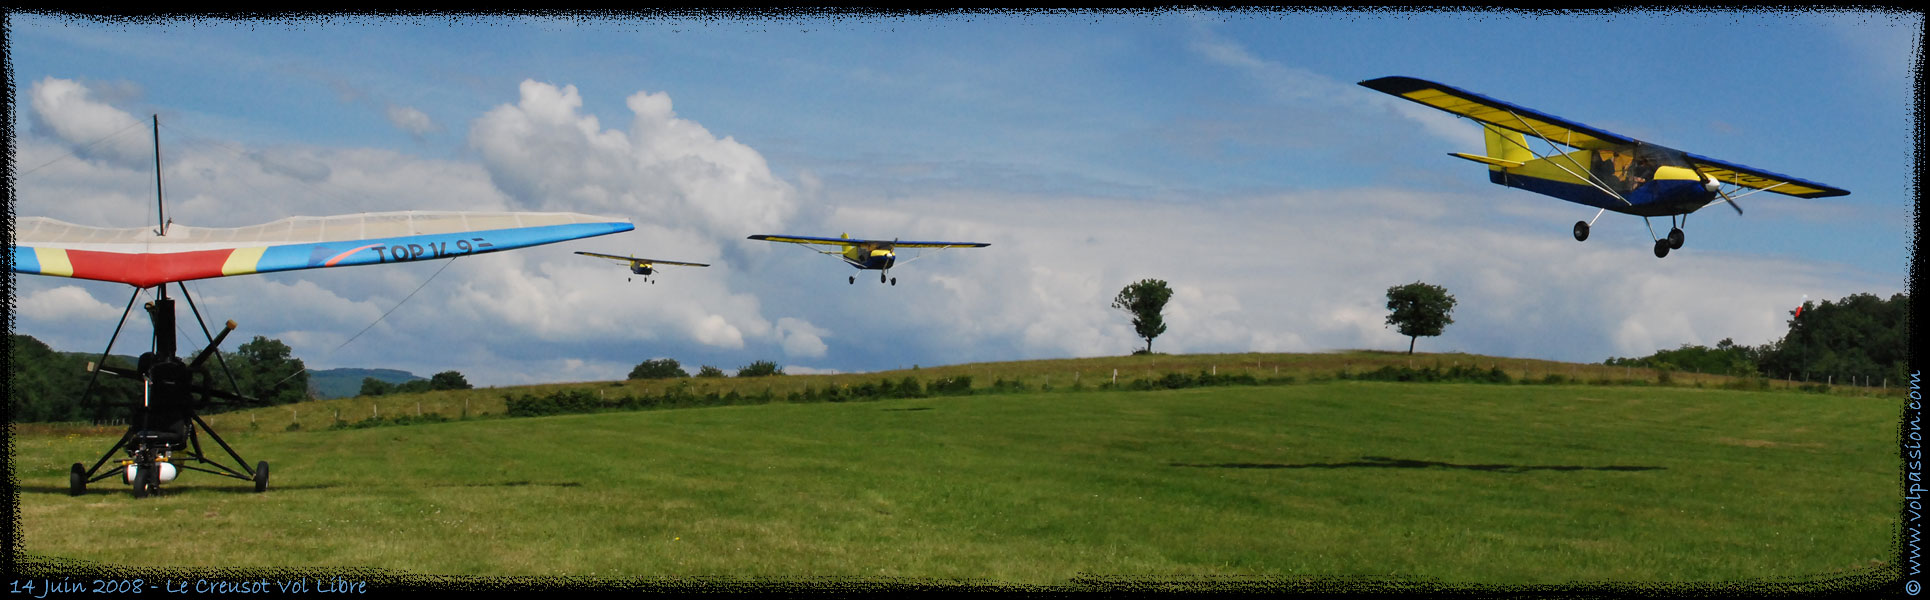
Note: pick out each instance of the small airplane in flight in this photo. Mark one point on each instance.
(642, 266)
(876, 255)
(1607, 171)
(163, 436)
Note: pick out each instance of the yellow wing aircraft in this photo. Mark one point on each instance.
(642, 266)
(1606, 170)
(876, 255)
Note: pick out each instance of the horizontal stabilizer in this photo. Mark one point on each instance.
(1489, 160)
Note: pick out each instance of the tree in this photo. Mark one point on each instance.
(760, 368)
(1144, 301)
(660, 368)
(448, 380)
(1859, 337)
(375, 387)
(1419, 309)
(267, 371)
(710, 371)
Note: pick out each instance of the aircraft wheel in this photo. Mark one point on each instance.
(881, 278)
(144, 483)
(1661, 248)
(76, 480)
(894, 281)
(1581, 231)
(261, 476)
(851, 279)
(1675, 238)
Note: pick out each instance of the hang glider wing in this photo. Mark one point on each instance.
(847, 242)
(635, 260)
(137, 256)
(1506, 115)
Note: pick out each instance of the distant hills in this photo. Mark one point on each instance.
(345, 383)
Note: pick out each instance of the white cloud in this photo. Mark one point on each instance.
(547, 155)
(801, 339)
(64, 303)
(68, 111)
(408, 119)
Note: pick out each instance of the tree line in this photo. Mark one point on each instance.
(1857, 339)
(46, 385)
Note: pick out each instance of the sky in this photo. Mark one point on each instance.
(1231, 154)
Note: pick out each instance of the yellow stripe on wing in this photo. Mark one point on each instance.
(53, 261)
(243, 261)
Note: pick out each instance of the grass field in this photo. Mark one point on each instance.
(1458, 483)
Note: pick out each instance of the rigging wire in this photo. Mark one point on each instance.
(76, 152)
(405, 300)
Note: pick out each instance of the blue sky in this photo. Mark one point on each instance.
(1229, 153)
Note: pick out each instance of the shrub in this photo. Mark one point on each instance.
(762, 368)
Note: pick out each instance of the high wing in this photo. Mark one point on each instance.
(1557, 130)
(1735, 174)
(940, 244)
(1506, 115)
(847, 242)
(634, 260)
(800, 239)
(138, 256)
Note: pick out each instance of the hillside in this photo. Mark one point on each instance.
(344, 383)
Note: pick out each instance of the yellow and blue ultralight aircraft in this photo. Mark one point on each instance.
(877, 255)
(642, 266)
(1606, 171)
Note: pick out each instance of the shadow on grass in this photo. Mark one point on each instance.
(1382, 462)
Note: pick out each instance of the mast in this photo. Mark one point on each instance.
(160, 206)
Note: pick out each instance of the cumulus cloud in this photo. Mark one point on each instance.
(415, 122)
(547, 154)
(510, 317)
(801, 339)
(68, 110)
(63, 303)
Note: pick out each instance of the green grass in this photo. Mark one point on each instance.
(1489, 484)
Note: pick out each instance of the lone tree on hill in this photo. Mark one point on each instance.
(762, 368)
(1419, 309)
(661, 368)
(449, 380)
(1144, 301)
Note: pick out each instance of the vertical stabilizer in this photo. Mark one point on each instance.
(1506, 144)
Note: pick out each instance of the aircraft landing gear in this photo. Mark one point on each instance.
(77, 480)
(881, 278)
(1661, 248)
(894, 281)
(261, 477)
(1581, 231)
(851, 279)
(146, 481)
(1675, 238)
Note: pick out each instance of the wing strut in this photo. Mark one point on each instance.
(1590, 177)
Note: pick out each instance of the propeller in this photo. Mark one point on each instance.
(1714, 185)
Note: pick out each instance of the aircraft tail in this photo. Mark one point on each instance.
(1506, 149)
(1507, 145)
